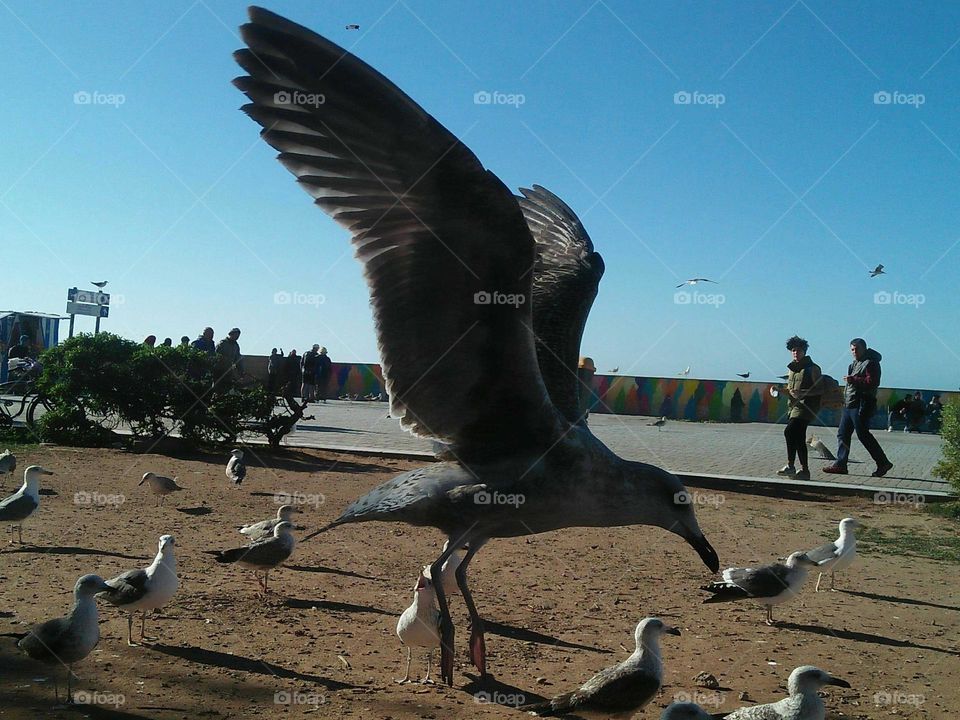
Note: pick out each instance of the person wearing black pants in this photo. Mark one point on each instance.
(860, 403)
(804, 389)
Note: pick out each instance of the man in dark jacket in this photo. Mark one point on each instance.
(860, 402)
(324, 367)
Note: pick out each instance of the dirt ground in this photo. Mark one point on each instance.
(560, 606)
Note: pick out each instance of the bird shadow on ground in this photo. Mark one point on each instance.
(864, 637)
(333, 571)
(59, 550)
(47, 491)
(333, 605)
(237, 662)
(905, 601)
(759, 487)
(524, 635)
(491, 691)
(199, 510)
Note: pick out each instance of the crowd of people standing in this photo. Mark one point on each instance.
(308, 374)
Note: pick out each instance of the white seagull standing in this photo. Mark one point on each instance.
(768, 585)
(69, 639)
(8, 462)
(265, 528)
(804, 702)
(236, 467)
(419, 624)
(448, 573)
(160, 485)
(837, 555)
(261, 555)
(621, 690)
(24, 502)
(149, 589)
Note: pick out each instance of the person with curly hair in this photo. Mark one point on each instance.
(804, 389)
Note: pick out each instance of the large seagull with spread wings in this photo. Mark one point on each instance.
(479, 300)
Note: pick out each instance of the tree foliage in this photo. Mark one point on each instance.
(949, 466)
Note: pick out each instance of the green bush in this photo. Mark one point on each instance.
(949, 466)
(96, 383)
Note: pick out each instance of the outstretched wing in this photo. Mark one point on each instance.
(443, 243)
(566, 275)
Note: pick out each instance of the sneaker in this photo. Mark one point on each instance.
(890, 428)
(787, 471)
(802, 475)
(836, 469)
(882, 469)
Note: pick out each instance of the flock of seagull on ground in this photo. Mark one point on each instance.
(479, 300)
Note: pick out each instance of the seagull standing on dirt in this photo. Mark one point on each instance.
(803, 703)
(878, 270)
(236, 467)
(448, 575)
(265, 528)
(838, 555)
(69, 639)
(148, 589)
(621, 690)
(768, 585)
(8, 462)
(16, 508)
(160, 485)
(517, 276)
(262, 555)
(419, 624)
(685, 711)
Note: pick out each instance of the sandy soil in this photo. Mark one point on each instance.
(561, 606)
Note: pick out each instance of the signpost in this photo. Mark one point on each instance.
(87, 302)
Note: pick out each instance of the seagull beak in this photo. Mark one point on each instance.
(671, 630)
(107, 589)
(44, 471)
(706, 552)
(838, 682)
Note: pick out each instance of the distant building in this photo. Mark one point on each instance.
(43, 329)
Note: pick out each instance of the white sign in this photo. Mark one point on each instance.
(88, 296)
(77, 308)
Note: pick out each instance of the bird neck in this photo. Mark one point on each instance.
(647, 655)
(31, 487)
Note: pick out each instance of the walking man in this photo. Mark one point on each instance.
(324, 368)
(860, 402)
(804, 388)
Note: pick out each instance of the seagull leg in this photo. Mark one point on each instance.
(478, 647)
(831, 582)
(769, 615)
(69, 684)
(426, 680)
(130, 641)
(20, 533)
(406, 675)
(446, 623)
(819, 578)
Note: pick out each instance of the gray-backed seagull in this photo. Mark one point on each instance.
(265, 528)
(838, 555)
(514, 277)
(261, 555)
(768, 585)
(160, 485)
(803, 703)
(17, 508)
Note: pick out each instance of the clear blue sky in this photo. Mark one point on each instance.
(786, 193)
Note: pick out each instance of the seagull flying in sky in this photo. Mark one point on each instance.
(694, 281)
(744, 375)
(878, 270)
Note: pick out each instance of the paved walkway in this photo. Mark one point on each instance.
(741, 452)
